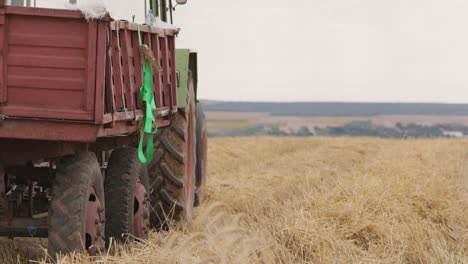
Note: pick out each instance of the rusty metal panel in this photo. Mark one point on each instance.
(109, 84)
(84, 75)
(116, 78)
(128, 72)
(165, 72)
(125, 76)
(172, 70)
(137, 67)
(50, 65)
(89, 94)
(4, 51)
(158, 77)
(101, 60)
(48, 130)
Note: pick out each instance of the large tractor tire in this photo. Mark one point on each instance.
(202, 144)
(76, 213)
(127, 197)
(172, 172)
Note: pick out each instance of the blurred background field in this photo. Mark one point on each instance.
(384, 120)
(314, 200)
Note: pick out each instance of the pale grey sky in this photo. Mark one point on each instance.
(329, 50)
(325, 50)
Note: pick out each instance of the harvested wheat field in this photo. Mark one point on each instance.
(315, 200)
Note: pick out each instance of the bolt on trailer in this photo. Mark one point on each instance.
(101, 133)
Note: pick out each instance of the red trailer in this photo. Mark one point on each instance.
(71, 115)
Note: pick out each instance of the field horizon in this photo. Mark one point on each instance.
(342, 109)
(386, 120)
(313, 200)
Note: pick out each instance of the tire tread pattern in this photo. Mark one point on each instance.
(69, 202)
(167, 175)
(121, 176)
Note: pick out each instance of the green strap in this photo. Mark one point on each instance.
(147, 96)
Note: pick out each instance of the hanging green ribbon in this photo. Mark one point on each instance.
(147, 96)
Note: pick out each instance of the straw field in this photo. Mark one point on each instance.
(314, 200)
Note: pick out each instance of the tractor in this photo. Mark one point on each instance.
(101, 132)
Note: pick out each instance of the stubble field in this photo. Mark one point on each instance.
(313, 200)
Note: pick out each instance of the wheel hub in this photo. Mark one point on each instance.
(141, 218)
(94, 223)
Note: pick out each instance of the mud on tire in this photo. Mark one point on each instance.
(126, 186)
(77, 187)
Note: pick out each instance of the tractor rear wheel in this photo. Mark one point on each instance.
(172, 172)
(202, 144)
(127, 198)
(76, 211)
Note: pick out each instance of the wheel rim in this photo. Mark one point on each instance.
(141, 220)
(94, 223)
(189, 180)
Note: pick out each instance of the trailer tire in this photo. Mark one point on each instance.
(126, 186)
(172, 171)
(76, 211)
(202, 148)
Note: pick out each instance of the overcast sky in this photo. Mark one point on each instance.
(327, 50)
(330, 50)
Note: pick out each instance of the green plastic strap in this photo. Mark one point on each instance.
(147, 96)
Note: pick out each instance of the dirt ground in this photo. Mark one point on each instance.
(313, 200)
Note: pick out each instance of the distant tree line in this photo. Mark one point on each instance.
(355, 128)
(411, 130)
(263, 130)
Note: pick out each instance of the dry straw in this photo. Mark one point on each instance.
(316, 200)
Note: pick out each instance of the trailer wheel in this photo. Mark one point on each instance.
(202, 144)
(172, 172)
(127, 199)
(76, 211)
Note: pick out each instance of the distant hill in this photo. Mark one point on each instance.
(340, 109)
